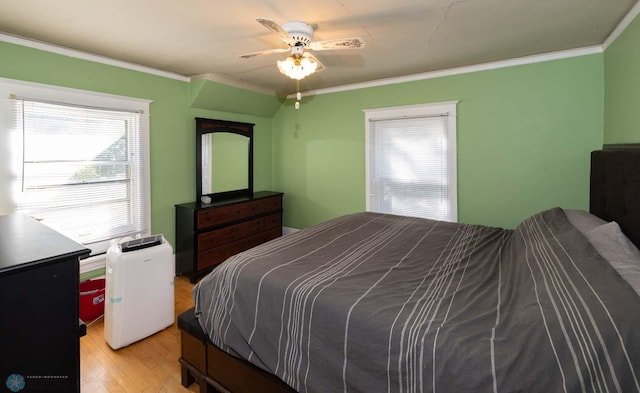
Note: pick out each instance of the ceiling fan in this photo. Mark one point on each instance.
(299, 36)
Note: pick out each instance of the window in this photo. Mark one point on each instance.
(411, 160)
(78, 161)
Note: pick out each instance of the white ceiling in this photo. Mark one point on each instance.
(403, 37)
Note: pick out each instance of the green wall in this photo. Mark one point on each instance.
(524, 138)
(622, 87)
(172, 125)
(524, 133)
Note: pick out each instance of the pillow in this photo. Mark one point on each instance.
(582, 220)
(618, 250)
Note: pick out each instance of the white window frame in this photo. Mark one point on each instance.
(448, 108)
(56, 94)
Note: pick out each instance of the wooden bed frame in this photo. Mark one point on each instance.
(614, 196)
(216, 371)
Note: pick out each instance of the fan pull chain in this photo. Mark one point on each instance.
(298, 95)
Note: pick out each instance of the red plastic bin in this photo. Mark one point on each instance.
(91, 299)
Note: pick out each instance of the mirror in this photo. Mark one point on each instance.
(224, 159)
(224, 150)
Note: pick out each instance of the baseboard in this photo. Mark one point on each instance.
(289, 230)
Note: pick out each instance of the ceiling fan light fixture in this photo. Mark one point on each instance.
(297, 66)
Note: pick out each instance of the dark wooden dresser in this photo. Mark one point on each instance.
(39, 328)
(207, 234)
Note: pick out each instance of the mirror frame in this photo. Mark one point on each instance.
(208, 126)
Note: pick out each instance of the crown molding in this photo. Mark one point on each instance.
(624, 23)
(590, 50)
(60, 50)
(234, 82)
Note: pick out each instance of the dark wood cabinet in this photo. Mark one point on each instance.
(39, 328)
(207, 234)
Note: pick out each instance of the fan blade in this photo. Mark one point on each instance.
(276, 29)
(315, 60)
(340, 43)
(264, 52)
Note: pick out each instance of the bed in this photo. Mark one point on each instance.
(379, 303)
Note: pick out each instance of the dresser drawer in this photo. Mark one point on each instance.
(219, 254)
(235, 232)
(207, 234)
(223, 214)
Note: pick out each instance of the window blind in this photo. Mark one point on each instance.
(81, 170)
(409, 167)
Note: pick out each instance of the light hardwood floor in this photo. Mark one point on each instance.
(149, 365)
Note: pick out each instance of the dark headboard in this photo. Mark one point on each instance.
(615, 188)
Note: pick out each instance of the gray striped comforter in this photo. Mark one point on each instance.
(380, 303)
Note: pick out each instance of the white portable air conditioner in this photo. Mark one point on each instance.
(139, 290)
